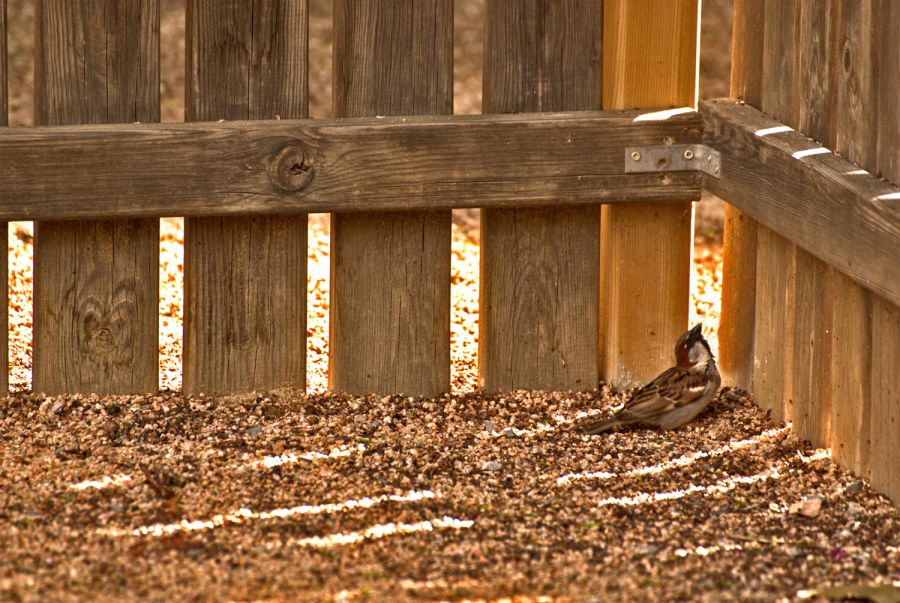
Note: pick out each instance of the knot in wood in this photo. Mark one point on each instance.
(102, 340)
(292, 168)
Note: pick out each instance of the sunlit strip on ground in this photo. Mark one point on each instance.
(245, 515)
(290, 457)
(703, 551)
(719, 487)
(105, 482)
(380, 531)
(267, 462)
(681, 461)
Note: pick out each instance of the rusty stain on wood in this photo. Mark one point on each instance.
(245, 277)
(540, 267)
(96, 282)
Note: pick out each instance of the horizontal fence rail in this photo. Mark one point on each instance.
(362, 164)
(806, 193)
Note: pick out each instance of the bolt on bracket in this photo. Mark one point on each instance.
(673, 158)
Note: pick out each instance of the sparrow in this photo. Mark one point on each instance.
(676, 396)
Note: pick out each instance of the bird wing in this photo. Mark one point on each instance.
(673, 389)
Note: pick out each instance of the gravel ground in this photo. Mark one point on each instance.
(283, 496)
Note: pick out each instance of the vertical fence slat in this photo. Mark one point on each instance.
(96, 282)
(540, 267)
(773, 325)
(245, 278)
(650, 62)
(885, 391)
(740, 232)
(855, 119)
(810, 366)
(4, 227)
(390, 284)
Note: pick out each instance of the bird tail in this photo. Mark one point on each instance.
(599, 426)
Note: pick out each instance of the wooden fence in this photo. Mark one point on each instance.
(585, 243)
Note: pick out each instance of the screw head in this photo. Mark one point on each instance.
(668, 140)
(636, 155)
(688, 154)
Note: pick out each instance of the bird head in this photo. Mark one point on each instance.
(692, 349)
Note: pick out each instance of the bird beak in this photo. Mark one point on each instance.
(697, 331)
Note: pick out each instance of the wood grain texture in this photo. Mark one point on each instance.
(245, 278)
(885, 392)
(739, 236)
(854, 56)
(4, 231)
(247, 326)
(885, 389)
(390, 275)
(811, 363)
(747, 44)
(650, 61)
(539, 307)
(822, 201)
(96, 283)
(780, 93)
(347, 165)
(888, 82)
(773, 325)
(851, 367)
(4, 76)
(4, 234)
(95, 301)
(738, 298)
(811, 392)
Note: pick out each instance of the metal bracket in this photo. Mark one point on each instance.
(673, 158)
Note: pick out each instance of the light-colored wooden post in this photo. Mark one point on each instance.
(539, 267)
(775, 289)
(96, 290)
(650, 62)
(739, 248)
(245, 277)
(390, 272)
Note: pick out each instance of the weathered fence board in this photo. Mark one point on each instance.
(884, 464)
(245, 278)
(390, 287)
(740, 230)
(855, 118)
(234, 168)
(650, 61)
(820, 200)
(773, 327)
(96, 320)
(810, 399)
(4, 227)
(539, 290)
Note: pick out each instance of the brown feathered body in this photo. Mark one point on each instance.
(676, 396)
